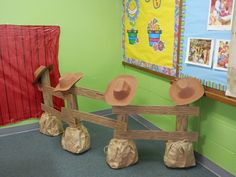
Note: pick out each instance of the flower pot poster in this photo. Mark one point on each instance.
(150, 34)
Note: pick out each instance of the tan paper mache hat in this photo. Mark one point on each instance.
(121, 90)
(185, 91)
(67, 81)
(40, 71)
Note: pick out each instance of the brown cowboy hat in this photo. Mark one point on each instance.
(185, 91)
(67, 81)
(121, 90)
(40, 71)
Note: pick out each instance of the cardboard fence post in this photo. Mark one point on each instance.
(123, 128)
(181, 122)
(47, 97)
(179, 154)
(48, 123)
(76, 138)
(71, 101)
(121, 152)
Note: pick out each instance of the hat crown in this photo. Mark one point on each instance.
(121, 89)
(182, 84)
(64, 80)
(186, 92)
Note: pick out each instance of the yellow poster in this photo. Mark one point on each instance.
(149, 31)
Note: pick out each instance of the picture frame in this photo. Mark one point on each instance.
(220, 14)
(221, 54)
(199, 52)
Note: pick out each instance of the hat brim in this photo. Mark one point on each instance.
(109, 96)
(193, 83)
(39, 75)
(75, 78)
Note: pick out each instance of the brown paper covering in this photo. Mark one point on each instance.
(50, 125)
(121, 153)
(76, 140)
(179, 154)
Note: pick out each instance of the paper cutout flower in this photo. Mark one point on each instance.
(132, 10)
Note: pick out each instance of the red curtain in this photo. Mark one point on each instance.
(22, 50)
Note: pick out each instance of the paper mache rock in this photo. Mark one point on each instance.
(50, 125)
(76, 140)
(179, 154)
(121, 153)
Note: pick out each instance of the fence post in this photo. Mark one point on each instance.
(121, 152)
(181, 122)
(45, 81)
(76, 138)
(72, 103)
(179, 154)
(124, 128)
(48, 124)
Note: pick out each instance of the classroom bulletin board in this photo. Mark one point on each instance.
(205, 43)
(150, 34)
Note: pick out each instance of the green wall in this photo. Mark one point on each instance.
(90, 42)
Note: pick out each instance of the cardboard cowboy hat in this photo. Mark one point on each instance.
(67, 81)
(185, 91)
(40, 71)
(121, 90)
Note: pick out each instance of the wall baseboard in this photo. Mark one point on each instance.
(18, 129)
(211, 166)
(205, 162)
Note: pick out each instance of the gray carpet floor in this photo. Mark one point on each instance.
(33, 154)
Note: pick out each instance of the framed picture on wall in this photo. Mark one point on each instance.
(221, 56)
(220, 14)
(199, 52)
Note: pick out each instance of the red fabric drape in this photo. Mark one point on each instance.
(22, 50)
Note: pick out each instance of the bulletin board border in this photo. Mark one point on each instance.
(163, 71)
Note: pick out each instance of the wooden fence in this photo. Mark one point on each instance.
(71, 114)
